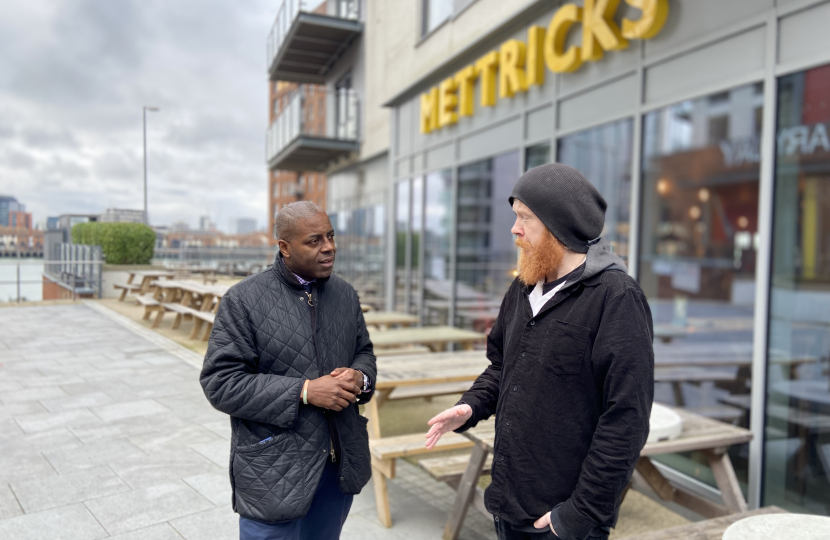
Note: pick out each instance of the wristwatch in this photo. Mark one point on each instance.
(365, 381)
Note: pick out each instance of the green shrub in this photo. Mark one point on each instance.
(122, 243)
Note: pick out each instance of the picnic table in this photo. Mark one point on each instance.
(147, 277)
(188, 299)
(709, 529)
(401, 377)
(699, 433)
(435, 337)
(384, 319)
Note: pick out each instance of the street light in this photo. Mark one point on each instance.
(145, 109)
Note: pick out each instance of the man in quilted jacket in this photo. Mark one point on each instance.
(289, 359)
(571, 375)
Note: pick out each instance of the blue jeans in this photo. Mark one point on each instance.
(324, 519)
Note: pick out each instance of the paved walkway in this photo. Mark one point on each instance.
(105, 433)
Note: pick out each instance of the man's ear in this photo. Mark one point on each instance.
(285, 248)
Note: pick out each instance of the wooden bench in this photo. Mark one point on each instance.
(181, 312)
(413, 349)
(385, 451)
(429, 390)
(126, 288)
(450, 469)
(199, 320)
(150, 305)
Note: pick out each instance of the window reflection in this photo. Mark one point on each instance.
(486, 252)
(402, 241)
(437, 222)
(797, 434)
(603, 156)
(537, 155)
(697, 257)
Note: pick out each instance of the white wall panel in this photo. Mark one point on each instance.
(495, 140)
(805, 34)
(724, 60)
(540, 123)
(599, 105)
(440, 157)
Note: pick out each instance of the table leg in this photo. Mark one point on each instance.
(466, 492)
(380, 471)
(467, 346)
(677, 390)
(373, 412)
(724, 473)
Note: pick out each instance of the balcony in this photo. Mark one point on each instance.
(308, 36)
(315, 127)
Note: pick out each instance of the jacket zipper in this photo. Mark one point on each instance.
(311, 304)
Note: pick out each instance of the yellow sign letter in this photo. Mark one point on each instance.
(429, 110)
(511, 68)
(599, 31)
(486, 67)
(535, 64)
(466, 79)
(447, 101)
(655, 13)
(557, 59)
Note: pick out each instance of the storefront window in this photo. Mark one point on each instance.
(402, 241)
(435, 12)
(603, 156)
(486, 252)
(437, 224)
(416, 228)
(537, 155)
(797, 433)
(697, 257)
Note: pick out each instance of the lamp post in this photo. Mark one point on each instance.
(144, 111)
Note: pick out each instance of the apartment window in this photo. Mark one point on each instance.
(435, 12)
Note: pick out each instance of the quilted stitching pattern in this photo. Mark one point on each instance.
(260, 352)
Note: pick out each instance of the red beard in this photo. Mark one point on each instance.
(536, 262)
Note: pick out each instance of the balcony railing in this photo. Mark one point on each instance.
(308, 36)
(314, 128)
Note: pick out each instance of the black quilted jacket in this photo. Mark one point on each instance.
(266, 341)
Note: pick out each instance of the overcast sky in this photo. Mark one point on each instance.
(74, 75)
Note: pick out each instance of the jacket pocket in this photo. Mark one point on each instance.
(563, 348)
(263, 477)
(357, 468)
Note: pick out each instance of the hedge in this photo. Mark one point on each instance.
(122, 243)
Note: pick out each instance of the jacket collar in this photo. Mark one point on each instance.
(287, 276)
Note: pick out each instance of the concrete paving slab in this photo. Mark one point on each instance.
(162, 531)
(215, 486)
(218, 452)
(220, 427)
(66, 523)
(9, 506)
(32, 394)
(145, 471)
(115, 430)
(217, 524)
(174, 439)
(39, 494)
(43, 422)
(13, 410)
(130, 409)
(141, 508)
(94, 399)
(88, 456)
(22, 466)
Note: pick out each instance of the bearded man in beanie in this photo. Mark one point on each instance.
(571, 379)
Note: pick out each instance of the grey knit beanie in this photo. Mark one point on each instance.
(569, 206)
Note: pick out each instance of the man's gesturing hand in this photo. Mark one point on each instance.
(447, 421)
(332, 393)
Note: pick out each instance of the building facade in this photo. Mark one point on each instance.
(8, 205)
(704, 124)
(122, 215)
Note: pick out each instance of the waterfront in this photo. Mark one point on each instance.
(31, 271)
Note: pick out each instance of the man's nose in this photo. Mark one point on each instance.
(328, 246)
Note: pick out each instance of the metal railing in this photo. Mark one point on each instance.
(80, 273)
(314, 111)
(288, 11)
